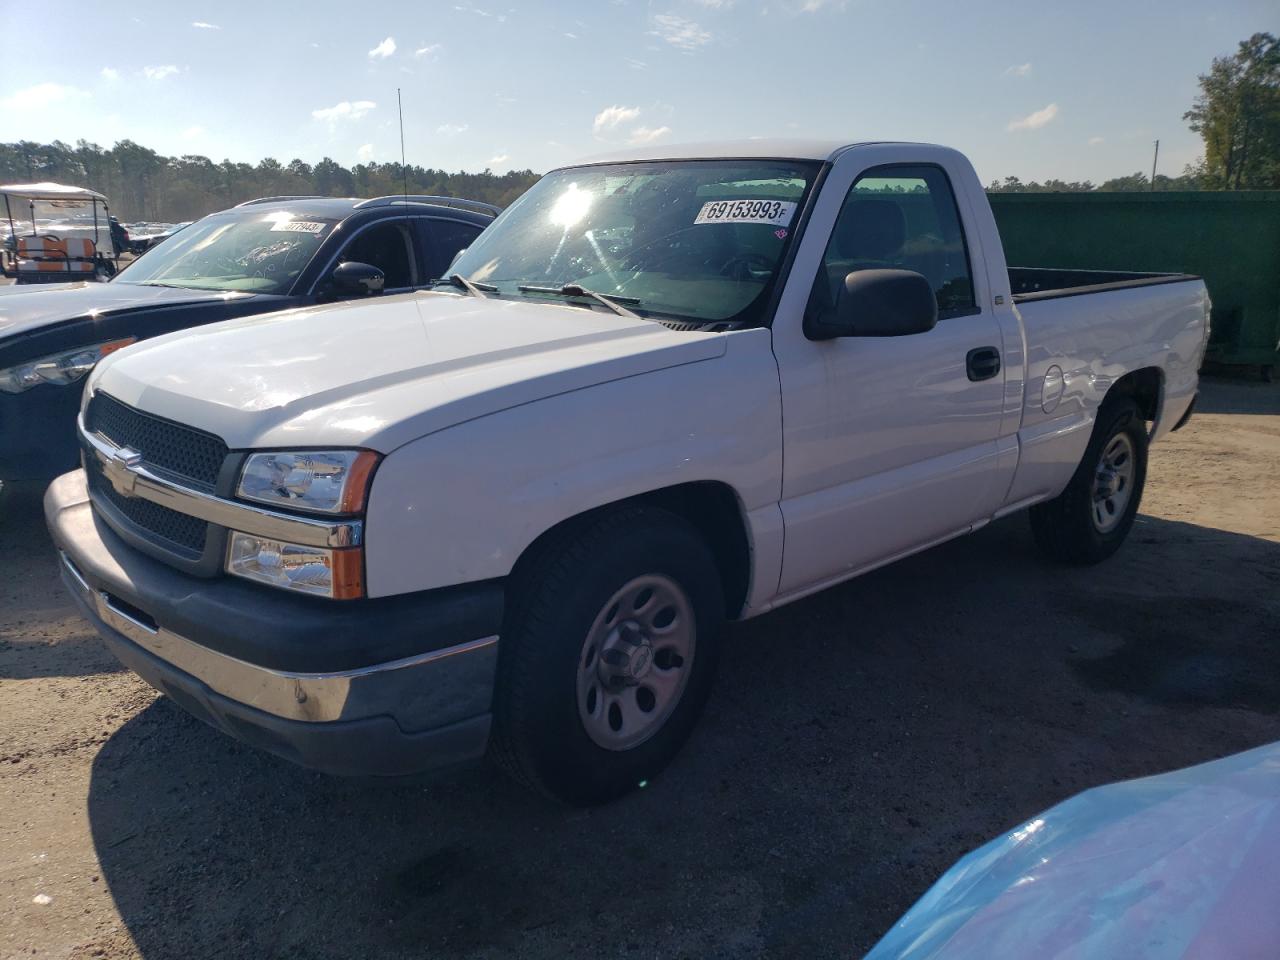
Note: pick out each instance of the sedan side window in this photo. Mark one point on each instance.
(389, 247)
(448, 238)
(901, 218)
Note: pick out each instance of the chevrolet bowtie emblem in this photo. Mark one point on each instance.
(119, 470)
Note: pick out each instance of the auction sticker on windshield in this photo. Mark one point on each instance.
(778, 213)
(298, 226)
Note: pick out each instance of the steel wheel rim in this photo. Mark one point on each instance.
(1113, 483)
(635, 662)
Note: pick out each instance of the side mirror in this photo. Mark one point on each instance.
(877, 303)
(354, 278)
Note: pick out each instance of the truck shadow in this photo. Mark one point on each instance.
(1221, 393)
(858, 743)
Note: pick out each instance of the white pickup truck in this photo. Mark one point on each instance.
(662, 390)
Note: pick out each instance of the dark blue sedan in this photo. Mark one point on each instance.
(261, 256)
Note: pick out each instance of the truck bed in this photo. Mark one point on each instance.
(1048, 283)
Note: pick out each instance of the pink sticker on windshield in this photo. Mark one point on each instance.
(780, 233)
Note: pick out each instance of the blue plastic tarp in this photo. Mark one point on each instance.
(1182, 865)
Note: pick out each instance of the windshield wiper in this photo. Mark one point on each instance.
(473, 288)
(574, 290)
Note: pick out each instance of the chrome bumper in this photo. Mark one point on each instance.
(419, 693)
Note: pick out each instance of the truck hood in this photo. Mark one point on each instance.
(380, 374)
(25, 308)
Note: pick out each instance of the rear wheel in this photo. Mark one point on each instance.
(1090, 519)
(608, 655)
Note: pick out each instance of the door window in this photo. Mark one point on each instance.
(901, 218)
(448, 237)
(388, 247)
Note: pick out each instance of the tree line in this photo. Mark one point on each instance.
(142, 184)
(1237, 114)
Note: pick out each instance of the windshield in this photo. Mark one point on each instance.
(74, 217)
(239, 250)
(697, 240)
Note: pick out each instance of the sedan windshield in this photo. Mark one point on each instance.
(239, 250)
(696, 240)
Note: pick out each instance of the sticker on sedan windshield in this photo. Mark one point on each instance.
(775, 212)
(298, 226)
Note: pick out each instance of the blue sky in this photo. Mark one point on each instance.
(1075, 91)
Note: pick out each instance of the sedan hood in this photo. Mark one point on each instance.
(380, 374)
(26, 308)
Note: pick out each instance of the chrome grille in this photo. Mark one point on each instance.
(190, 455)
(181, 532)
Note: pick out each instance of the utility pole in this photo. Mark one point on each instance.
(1154, 160)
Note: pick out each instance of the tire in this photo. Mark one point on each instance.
(559, 642)
(1082, 525)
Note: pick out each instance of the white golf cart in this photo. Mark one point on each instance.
(55, 233)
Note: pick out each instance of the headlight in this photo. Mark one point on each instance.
(58, 368)
(337, 574)
(326, 481)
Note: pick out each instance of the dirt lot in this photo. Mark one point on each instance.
(856, 745)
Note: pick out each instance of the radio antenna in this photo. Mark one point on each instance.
(404, 170)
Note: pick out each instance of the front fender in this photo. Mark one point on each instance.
(462, 504)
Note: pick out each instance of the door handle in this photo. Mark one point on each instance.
(982, 363)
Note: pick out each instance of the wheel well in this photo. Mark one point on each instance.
(710, 506)
(1144, 387)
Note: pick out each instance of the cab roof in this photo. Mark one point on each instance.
(765, 148)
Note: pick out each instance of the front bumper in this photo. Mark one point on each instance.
(291, 675)
(38, 431)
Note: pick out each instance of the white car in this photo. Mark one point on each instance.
(662, 389)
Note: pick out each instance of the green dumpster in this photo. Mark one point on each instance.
(1231, 238)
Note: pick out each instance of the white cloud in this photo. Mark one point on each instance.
(159, 73)
(365, 153)
(110, 74)
(679, 32)
(452, 129)
(610, 117)
(1018, 70)
(1036, 120)
(635, 64)
(346, 110)
(572, 36)
(41, 95)
(1094, 141)
(813, 6)
(383, 50)
(641, 135)
(716, 4)
(500, 17)
(500, 160)
(193, 133)
(428, 50)
(201, 25)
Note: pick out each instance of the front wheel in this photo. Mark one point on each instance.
(607, 656)
(1090, 519)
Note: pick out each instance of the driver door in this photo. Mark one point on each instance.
(891, 443)
(388, 245)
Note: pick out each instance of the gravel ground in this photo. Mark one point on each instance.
(857, 743)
